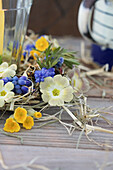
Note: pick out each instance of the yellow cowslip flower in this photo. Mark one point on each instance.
(35, 54)
(11, 126)
(28, 123)
(41, 44)
(37, 115)
(20, 114)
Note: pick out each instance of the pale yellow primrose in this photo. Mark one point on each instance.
(6, 94)
(56, 90)
(78, 83)
(7, 71)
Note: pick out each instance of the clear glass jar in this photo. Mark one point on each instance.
(14, 16)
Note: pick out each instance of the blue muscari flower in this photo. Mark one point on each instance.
(21, 84)
(14, 82)
(28, 49)
(24, 54)
(41, 74)
(15, 78)
(60, 62)
(24, 89)
(23, 78)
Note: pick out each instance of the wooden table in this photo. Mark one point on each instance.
(53, 148)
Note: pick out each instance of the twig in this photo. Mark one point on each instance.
(48, 123)
(88, 127)
(80, 136)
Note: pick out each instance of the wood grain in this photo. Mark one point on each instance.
(52, 144)
(55, 135)
(56, 158)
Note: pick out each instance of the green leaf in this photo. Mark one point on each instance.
(0, 59)
(54, 63)
(39, 62)
(70, 65)
(52, 57)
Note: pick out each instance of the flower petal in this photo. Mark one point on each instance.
(2, 102)
(47, 84)
(85, 85)
(56, 102)
(1, 84)
(77, 83)
(13, 67)
(61, 81)
(46, 96)
(66, 94)
(8, 73)
(9, 86)
(4, 64)
(9, 96)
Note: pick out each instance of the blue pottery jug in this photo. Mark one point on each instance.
(95, 22)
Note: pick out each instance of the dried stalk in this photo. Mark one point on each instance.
(88, 128)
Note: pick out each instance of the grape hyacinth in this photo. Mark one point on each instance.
(60, 62)
(28, 49)
(21, 85)
(41, 74)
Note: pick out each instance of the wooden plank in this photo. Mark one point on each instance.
(56, 158)
(55, 135)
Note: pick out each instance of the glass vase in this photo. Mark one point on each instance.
(14, 16)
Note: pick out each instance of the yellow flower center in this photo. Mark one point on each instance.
(12, 124)
(56, 92)
(41, 44)
(3, 93)
(74, 83)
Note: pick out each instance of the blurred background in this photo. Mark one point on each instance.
(55, 17)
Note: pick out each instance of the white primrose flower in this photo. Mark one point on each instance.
(56, 90)
(78, 83)
(7, 71)
(6, 94)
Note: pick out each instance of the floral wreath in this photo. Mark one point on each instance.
(50, 77)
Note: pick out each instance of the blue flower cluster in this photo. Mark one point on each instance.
(28, 49)
(41, 74)
(21, 84)
(60, 62)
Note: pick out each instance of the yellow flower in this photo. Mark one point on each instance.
(37, 115)
(35, 54)
(20, 114)
(11, 126)
(56, 90)
(42, 44)
(34, 113)
(28, 123)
